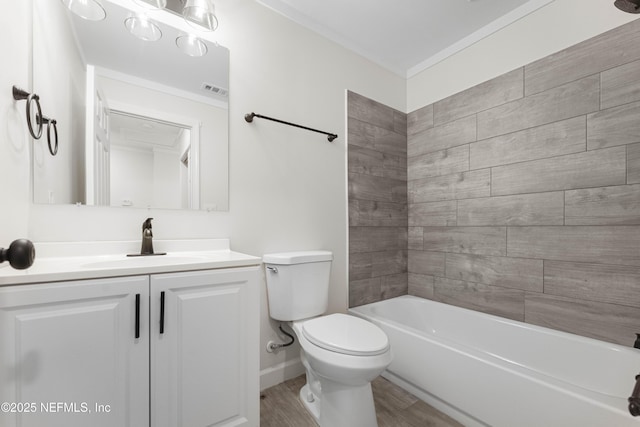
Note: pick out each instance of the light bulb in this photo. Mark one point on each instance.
(144, 29)
(91, 10)
(191, 45)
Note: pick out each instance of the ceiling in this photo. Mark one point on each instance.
(143, 133)
(405, 36)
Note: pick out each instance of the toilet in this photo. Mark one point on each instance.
(342, 354)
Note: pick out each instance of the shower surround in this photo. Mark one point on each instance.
(377, 169)
(523, 194)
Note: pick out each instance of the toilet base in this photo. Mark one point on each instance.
(340, 406)
(310, 402)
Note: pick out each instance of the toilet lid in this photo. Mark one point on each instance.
(346, 334)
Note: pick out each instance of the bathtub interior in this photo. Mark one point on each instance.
(587, 363)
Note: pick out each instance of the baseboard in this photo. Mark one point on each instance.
(281, 372)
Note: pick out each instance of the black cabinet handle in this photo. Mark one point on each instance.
(162, 312)
(137, 315)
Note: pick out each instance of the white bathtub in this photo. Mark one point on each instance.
(487, 370)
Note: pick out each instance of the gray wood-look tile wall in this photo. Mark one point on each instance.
(378, 209)
(541, 223)
(522, 194)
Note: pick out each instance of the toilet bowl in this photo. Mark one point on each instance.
(341, 354)
(343, 369)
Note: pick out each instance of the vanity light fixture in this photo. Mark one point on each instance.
(202, 13)
(191, 45)
(143, 28)
(152, 4)
(91, 10)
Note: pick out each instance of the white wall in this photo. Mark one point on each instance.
(166, 179)
(132, 176)
(59, 79)
(144, 177)
(550, 29)
(14, 138)
(288, 186)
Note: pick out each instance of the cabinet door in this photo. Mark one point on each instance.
(69, 356)
(204, 357)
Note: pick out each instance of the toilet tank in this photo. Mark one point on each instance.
(297, 283)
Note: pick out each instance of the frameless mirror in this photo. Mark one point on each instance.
(141, 123)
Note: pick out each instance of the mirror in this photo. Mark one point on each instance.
(140, 123)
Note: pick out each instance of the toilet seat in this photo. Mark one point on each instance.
(346, 334)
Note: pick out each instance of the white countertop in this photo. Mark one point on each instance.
(87, 260)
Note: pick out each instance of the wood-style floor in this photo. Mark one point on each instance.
(281, 407)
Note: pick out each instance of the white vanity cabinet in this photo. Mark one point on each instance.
(67, 347)
(204, 348)
(74, 343)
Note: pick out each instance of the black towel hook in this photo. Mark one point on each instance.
(18, 95)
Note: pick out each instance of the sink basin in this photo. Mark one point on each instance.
(147, 261)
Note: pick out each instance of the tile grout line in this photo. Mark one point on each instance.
(543, 279)
(564, 207)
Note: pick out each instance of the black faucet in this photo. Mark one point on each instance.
(147, 238)
(147, 241)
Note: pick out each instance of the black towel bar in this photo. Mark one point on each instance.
(249, 118)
